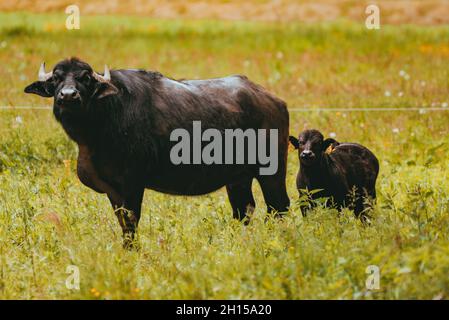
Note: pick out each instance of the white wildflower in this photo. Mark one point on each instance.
(19, 120)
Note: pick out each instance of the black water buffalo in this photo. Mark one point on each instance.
(122, 122)
(346, 172)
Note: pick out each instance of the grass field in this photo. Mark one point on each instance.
(191, 246)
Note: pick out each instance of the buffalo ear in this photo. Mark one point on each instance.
(294, 141)
(329, 144)
(104, 89)
(41, 88)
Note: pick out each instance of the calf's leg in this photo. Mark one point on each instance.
(367, 204)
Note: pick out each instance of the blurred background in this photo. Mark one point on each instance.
(393, 11)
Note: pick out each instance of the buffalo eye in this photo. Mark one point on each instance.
(56, 77)
(84, 77)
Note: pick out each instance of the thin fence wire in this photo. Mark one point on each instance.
(24, 108)
(357, 109)
(367, 109)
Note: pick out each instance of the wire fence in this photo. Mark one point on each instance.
(25, 108)
(368, 109)
(355, 109)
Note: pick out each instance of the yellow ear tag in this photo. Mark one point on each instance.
(330, 149)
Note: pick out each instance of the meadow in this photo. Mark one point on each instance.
(191, 248)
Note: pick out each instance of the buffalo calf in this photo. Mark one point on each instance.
(345, 173)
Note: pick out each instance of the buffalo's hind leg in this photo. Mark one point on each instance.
(273, 186)
(275, 193)
(241, 198)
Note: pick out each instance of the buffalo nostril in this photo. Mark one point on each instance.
(68, 94)
(306, 154)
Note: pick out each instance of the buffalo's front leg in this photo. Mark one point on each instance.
(125, 201)
(128, 215)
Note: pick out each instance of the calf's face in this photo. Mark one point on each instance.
(73, 85)
(310, 146)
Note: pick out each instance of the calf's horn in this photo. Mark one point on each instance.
(43, 76)
(106, 77)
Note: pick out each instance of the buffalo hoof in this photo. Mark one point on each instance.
(130, 243)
